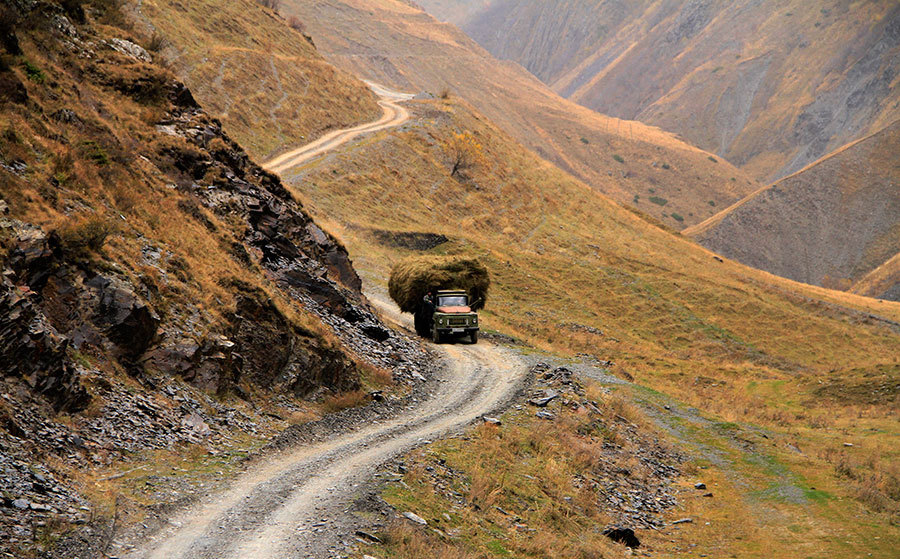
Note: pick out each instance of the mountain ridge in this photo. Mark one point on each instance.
(769, 87)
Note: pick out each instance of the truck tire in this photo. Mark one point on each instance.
(473, 337)
(435, 335)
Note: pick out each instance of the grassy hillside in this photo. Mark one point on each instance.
(259, 75)
(149, 335)
(392, 42)
(770, 86)
(575, 273)
(831, 224)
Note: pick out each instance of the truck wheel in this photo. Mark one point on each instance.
(474, 336)
(435, 335)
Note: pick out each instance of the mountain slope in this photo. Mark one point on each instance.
(249, 67)
(771, 86)
(830, 224)
(394, 43)
(574, 273)
(166, 304)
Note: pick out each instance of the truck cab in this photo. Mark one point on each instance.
(453, 316)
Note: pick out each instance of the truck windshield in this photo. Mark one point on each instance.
(453, 301)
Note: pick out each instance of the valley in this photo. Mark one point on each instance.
(201, 358)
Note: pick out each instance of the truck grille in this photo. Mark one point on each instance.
(458, 321)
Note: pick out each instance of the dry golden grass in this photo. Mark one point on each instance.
(740, 344)
(257, 73)
(533, 488)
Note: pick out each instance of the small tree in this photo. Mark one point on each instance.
(297, 25)
(465, 152)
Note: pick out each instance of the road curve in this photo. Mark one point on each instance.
(394, 115)
(275, 510)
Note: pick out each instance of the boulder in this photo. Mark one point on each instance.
(623, 535)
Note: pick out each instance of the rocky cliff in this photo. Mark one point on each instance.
(159, 289)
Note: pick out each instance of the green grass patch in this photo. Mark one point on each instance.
(34, 73)
(659, 201)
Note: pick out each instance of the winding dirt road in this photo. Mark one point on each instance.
(276, 510)
(394, 115)
(294, 504)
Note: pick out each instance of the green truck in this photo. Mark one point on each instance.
(447, 314)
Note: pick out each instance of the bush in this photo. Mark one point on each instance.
(81, 237)
(677, 217)
(95, 153)
(585, 141)
(666, 166)
(444, 94)
(157, 43)
(713, 159)
(618, 158)
(33, 72)
(297, 25)
(659, 201)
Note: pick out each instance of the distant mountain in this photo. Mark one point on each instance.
(835, 224)
(397, 44)
(769, 85)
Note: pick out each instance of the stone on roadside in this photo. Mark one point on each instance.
(491, 420)
(699, 485)
(543, 414)
(542, 401)
(413, 517)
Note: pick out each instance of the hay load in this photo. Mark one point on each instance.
(414, 277)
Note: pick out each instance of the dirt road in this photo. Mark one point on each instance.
(291, 505)
(394, 115)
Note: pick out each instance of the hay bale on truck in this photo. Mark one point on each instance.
(459, 287)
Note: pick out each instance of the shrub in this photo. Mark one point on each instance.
(157, 43)
(80, 237)
(33, 72)
(618, 158)
(585, 141)
(659, 201)
(95, 153)
(677, 217)
(297, 25)
(713, 159)
(445, 93)
(712, 203)
(666, 166)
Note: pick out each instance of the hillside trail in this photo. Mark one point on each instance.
(394, 115)
(292, 504)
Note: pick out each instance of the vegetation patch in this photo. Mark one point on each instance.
(33, 73)
(658, 201)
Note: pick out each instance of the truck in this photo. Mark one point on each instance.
(445, 315)
(443, 293)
